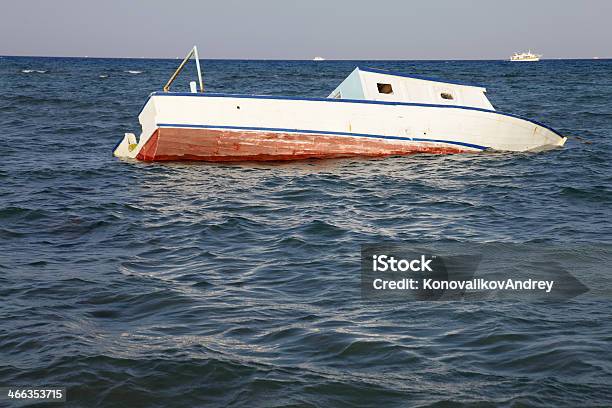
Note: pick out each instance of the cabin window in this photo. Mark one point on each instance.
(447, 95)
(384, 88)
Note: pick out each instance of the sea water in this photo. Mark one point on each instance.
(189, 284)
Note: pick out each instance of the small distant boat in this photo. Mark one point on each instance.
(318, 59)
(372, 113)
(525, 57)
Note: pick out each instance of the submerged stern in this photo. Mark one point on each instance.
(126, 146)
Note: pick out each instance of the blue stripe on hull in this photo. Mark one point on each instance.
(321, 132)
(358, 101)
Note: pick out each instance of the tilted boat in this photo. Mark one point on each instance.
(371, 113)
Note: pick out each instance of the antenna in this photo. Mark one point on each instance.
(192, 52)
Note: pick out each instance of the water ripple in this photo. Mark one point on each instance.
(227, 284)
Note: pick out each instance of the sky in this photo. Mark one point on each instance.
(333, 29)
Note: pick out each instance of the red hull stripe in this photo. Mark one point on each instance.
(231, 145)
(321, 132)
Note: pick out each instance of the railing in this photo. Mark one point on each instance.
(194, 53)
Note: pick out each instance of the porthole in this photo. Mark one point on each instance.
(447, 95)
(384, 88)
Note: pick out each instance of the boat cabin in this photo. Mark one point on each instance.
(379, 85)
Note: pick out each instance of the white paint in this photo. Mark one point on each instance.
(123, 148)
(363, 84)
(483, 128)
(449, 121)
(197, 61)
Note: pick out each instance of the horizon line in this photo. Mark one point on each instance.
(301, 59)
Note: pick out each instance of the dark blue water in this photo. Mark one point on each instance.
(183, 284)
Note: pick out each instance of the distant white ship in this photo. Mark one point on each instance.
(525, 56)
(318, 59)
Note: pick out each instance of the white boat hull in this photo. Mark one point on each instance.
(215, 127)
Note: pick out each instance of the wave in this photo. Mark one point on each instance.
(103, 76)
(38, 71)
(130, 71)
(592, 193)
(41, 99)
